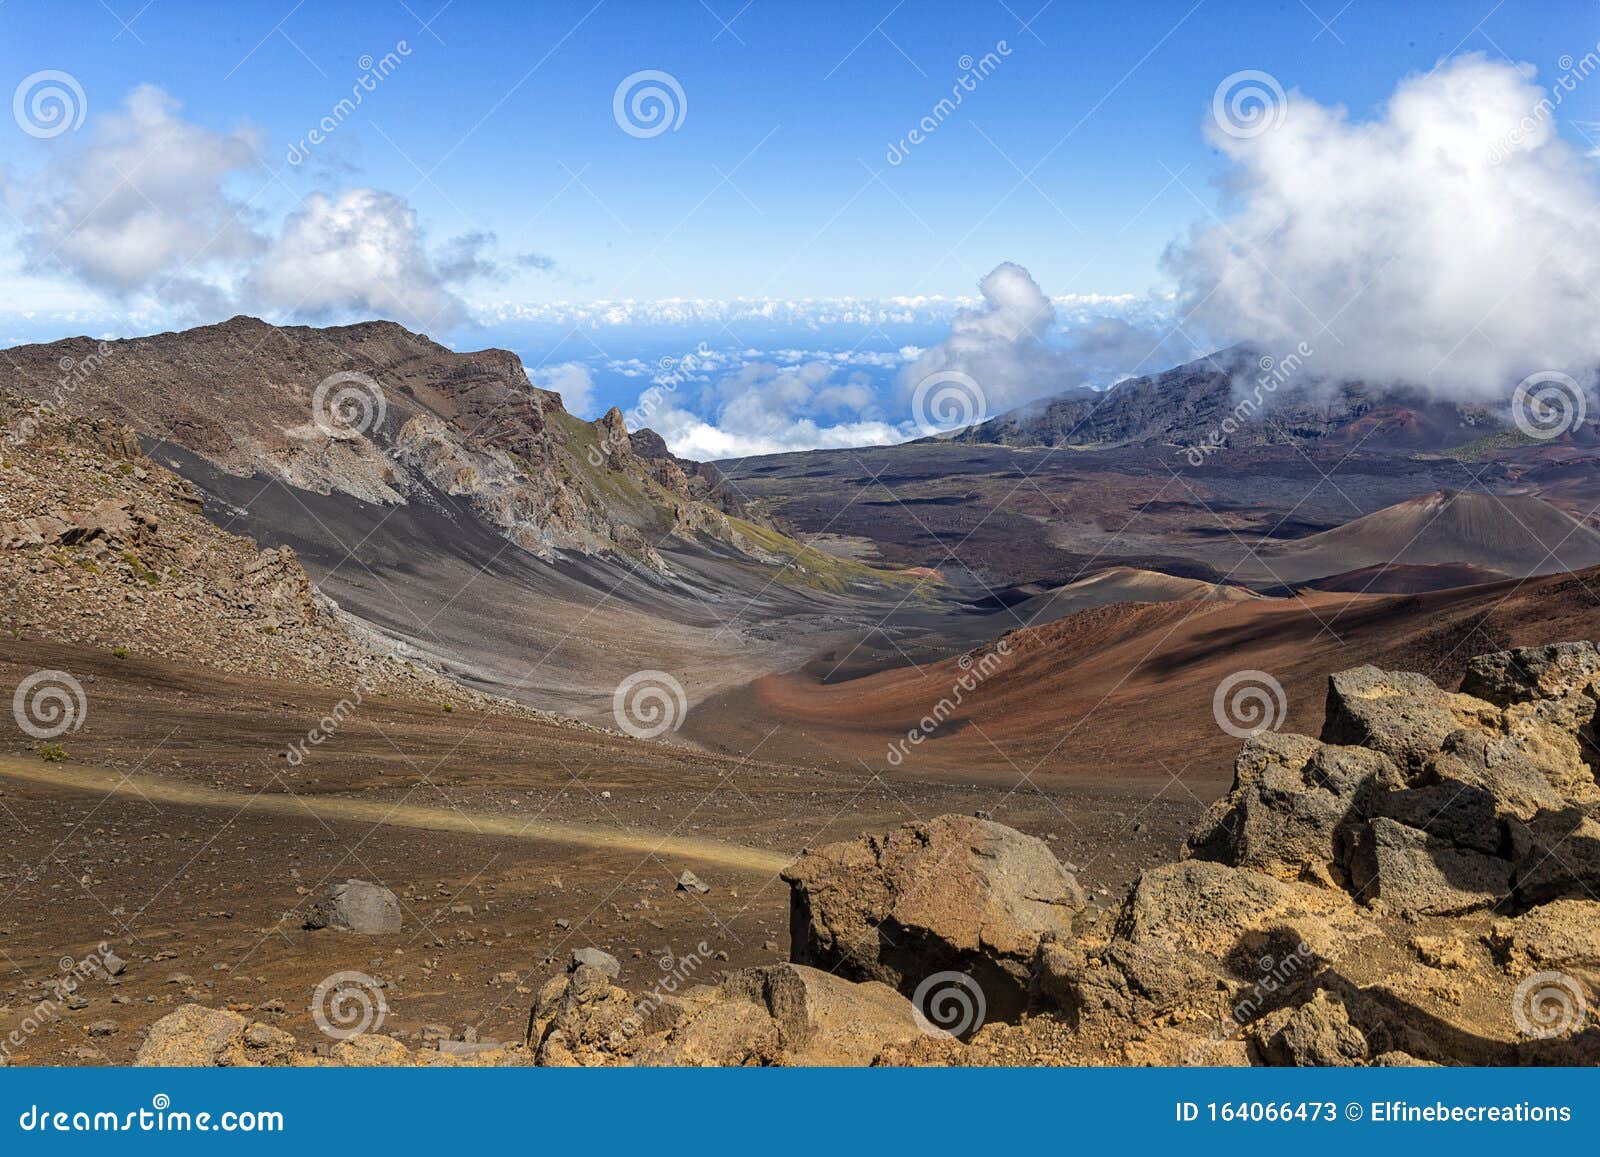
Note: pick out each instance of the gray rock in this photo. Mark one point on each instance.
(1317, 1033)
(1461, 814)
(955, 893)
(356, 906)
(595, 958)
(1528, 673)
(1557, 856)
(788, 1014)
(689, 882)
(1291, 798)
(1499, 766)
(1415, 874)
(1404, 715)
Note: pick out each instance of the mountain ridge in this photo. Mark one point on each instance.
(1236, 397)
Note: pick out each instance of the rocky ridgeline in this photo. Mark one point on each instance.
(100, 546)
(1418, 886)
(390, 417)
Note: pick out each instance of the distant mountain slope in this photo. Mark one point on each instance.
(103, 547)
(1191, 404)
(404, 476)
(1514, 534)
(386, 416)
(1108, 695)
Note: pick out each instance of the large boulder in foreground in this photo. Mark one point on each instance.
(1294, 801)
(357, 906)
(1402, 714)
(1527, 674)
(1412, 873)
(790, 1014)
(199, 1037)
(953, 893)
(782, 1014)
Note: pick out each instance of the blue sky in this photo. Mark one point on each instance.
(493, 147)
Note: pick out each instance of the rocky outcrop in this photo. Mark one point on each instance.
(1415, 887)
(389, 417)
(1288, 810)
(785, 1014)
(194, 1036)
(102, 546)
(951, 894)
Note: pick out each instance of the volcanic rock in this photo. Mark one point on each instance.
(951, 894)
(356, 906)
(195, 1036)
(1526, 674)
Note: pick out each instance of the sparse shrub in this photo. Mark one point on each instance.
(140, 571)
(53, 753)
(119, 652)
(449, 706)
(269, 629)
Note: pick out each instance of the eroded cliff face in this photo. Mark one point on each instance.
(389, 417)
(103, 546)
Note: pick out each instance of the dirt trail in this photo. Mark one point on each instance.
(338, 808)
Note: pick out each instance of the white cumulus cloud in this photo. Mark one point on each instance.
(359, 252)
(1010, 350)
(1451, 242)
(141, 205)
(155, 212)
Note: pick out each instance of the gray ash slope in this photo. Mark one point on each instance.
(465, 514)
